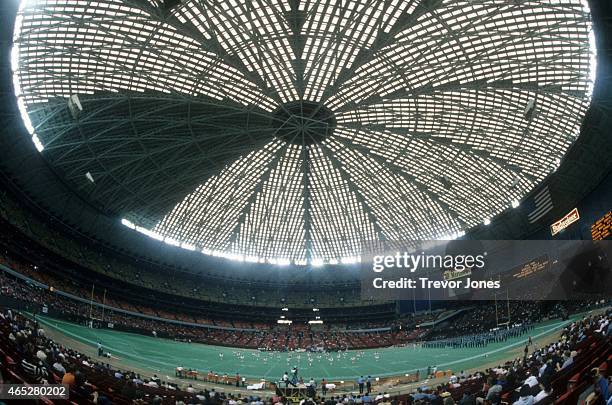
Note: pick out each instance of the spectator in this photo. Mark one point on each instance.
(57, 366)
(546, 390)
(69, 378)
(601, 384)
(525, 396)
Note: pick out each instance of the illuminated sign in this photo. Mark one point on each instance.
(602, 228)
(564, 222)
(531, 268)
(455, 274)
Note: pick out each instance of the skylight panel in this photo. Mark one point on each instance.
(419, 105)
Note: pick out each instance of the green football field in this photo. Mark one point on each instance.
(163, 356)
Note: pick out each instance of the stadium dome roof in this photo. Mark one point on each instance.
(298, 130)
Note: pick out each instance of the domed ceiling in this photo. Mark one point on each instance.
(295, 131)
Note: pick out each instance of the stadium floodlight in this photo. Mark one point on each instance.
(37, 143)
(172, 242)
(487, 221)
(452, 236)
(515, 203)
(149, 233)
(235, 256)
(349, 260)
(315, 322)
(14, 58)
(128, 223)
(285, 309)
(316, 262)
(24, 116)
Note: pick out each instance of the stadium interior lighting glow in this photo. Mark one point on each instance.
(172, 242)
(128, 223)
(188, 246)
(452, 236)
(350, 260)
(415, 111)
(317, 262)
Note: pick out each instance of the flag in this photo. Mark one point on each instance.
(539, 205)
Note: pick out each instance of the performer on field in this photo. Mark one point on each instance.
(294, 372)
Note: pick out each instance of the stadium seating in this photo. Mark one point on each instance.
(18, 334)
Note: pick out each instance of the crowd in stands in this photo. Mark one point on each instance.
(249, 335)
(495, 335)
(28, 356)
(169, 288)
(484, 317)
(261, 335)
(576, 365)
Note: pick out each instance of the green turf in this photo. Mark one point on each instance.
(162, 355)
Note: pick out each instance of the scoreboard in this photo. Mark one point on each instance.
(602, 228)
(531, 268)
(537, 266)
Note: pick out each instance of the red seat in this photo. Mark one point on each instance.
(9, 360)
(571, 396)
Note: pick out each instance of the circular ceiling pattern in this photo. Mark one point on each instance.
(296, 130)
(303, 123)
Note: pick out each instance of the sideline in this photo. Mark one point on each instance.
(93, 343)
